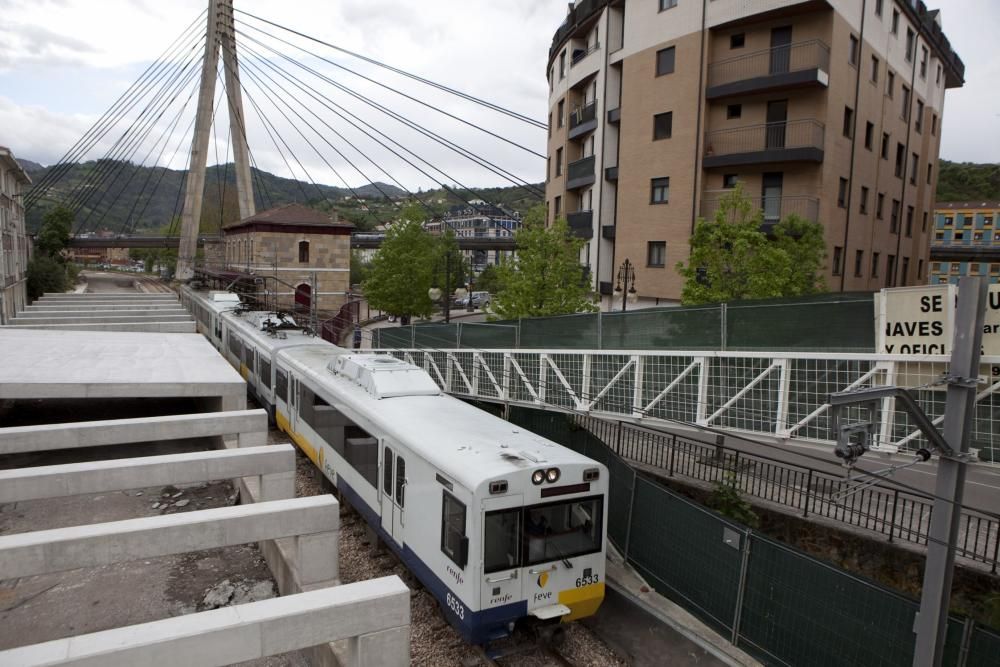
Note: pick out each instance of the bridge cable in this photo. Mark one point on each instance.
(83, 145)
(262, 190)
(398, 92)
(159, 180)
(458, 93)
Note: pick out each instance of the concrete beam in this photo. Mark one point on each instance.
(74, 307)
(368, 610)
(276, 464)
(61, 549)
(150, 327)
(91, 318)
(46, 437)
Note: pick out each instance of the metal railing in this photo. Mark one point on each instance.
(774, 208)
(899, 515)
(581, 224)
(811, 54)
(580, 54)
(580, 169)
(805, 133)
(583, 114)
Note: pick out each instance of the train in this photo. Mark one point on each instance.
(503, 527)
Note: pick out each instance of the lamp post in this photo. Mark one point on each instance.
(436, 293)
(625, 284)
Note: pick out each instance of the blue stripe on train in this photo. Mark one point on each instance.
(477, 627)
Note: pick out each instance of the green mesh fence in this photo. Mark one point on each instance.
(836, 326)
(436, 336)
(394, 338)
(578, 332)
(984, 650)
(488, 336)
(667, 329)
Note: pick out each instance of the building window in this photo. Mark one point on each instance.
(905, 269)
(869, 135)
(885, 145)
(890, 84)
(911, 41)
(878, 8)
(977, 236)
(667, 4)
(559, 161)
(895, 22)
(734, 111)
(934, 124)
(948, 221)
(923, 226)
(915, 159)
(656, 254)
(848, 122)
(665, 61)
(879, 205)
(863, 206)
(663, 125)
(562, 65)
(303, 252)
(988, 221)
(737, 41)
(923, 62)
(842, 193)
(909, 221)
(894, 217)
(900, 159)
(938, 79)
(557, 206)
(729, 181)
(852, 55)
(918, 124)
(561, 112)
(859, 258)
(660, 188)
(875, 257)
(838, 258)
(929, 172)
(904, 110)
(875, 64)
(890, 270)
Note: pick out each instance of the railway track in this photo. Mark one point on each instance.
(544, 650)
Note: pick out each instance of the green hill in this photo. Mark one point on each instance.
(966, 181)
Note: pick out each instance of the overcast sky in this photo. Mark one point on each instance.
(63, 62)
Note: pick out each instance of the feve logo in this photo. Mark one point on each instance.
(543, 579)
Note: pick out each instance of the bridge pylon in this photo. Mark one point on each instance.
(220, 35)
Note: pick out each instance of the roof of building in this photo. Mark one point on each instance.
(7, 156)
(959, 205)
(293, 215)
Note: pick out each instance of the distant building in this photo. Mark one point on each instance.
(15, 246)
(966, 241)
(480, 220)
(308, 251)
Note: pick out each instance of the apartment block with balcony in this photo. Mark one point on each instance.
(828, 109)
(480, 220)
(966, 241)
(15, 245)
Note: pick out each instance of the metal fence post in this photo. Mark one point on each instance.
(963, 653)
(458, 335)
(744, 565)
(673, 453)
(600, 330)
(809, 489)
(895, 504)
(413, 337)
(725, 323)
(618, 443)
(631, 511)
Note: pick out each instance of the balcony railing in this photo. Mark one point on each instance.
(795, 140)
(580, 173)
(581, 224)
(772, 67)
(580, 54)
(583, 119)
(775, 208)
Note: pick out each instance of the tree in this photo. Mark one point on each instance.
(731, 258)
(360, 269)
(46, 274)
(545, 276)
(47, 270)
(53, 237)
(403, 268)
(489, 280)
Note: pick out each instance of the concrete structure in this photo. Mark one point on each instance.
(161, 312)
(39, 364)
(374, 616)
(275, 465)
(15, 246)
(830, 110)
(966, 241)
(308, 251)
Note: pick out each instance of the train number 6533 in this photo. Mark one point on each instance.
(586, 581)
(456, 606)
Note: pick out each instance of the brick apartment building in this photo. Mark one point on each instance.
(15, 246)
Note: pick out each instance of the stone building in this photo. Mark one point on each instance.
(307, 251)
(15, 246)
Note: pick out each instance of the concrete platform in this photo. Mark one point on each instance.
(107, 317)
(87, 365)
(138, 327)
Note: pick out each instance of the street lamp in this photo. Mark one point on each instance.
(625, 285)
(436, 293)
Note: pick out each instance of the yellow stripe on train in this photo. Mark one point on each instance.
(583, 601)
(310, 451)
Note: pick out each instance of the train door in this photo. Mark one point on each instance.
(293, 403)
(392, 513)
(399, 502)
(502, 533)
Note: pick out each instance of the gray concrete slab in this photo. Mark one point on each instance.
(39, 363)
(95, 318)
(74, 435)
(102, 305)
(47, 551)
(124, 474)
(244, 632)
(151, 327)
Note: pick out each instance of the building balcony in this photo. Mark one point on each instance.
(583, 120)
(790, 141)
(775, 208)
(580, 53)
(581, 224)
(615, 116)
(608, 232)
(778, 68)
(580, 173)
(611, 173)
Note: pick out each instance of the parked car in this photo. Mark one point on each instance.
(480, 300)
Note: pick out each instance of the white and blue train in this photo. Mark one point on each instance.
(501, 525)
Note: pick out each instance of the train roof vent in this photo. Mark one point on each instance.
(383, 376)
(223, 297)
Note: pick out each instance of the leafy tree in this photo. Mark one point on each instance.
(53, 237)
(45, 274)
(403, 268)
(966, 181)
(727, 501)
(360, 269)
(731, 258)
(450, 263)
(545, 276)
(488, 280)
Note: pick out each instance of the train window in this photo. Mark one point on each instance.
(400, 479)
(281, 385)
(502, 544)
(387, 472)
(562, 530)
(250, 353)
(218, 326)
(234, 345)
(265, 372)
(454, 543)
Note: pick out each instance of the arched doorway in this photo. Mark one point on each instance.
(303, 298)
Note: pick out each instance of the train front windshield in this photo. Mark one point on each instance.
(524, 536)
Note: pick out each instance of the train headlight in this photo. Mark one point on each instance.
(591, 474)
(538, 477)
(552, 475)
